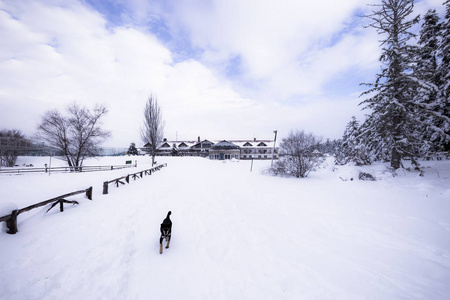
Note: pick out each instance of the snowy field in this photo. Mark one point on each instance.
(236, 234)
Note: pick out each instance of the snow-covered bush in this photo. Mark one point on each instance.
(297, 155)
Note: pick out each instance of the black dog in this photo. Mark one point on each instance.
(166, 231)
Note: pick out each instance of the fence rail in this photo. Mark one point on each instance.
(11, 220)
(66, 169)
(120, 180)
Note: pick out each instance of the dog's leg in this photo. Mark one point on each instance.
(168, 242)
(161, 245)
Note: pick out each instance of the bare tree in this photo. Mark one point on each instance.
(153, 131)
(11, 141)
(297, 155)
(77, 135)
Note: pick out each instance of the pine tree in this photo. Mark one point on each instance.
(427, 63)
(132, 149)
(390, 128)
(444, 52)
(444, 74)
(352, 148)
(426, 71)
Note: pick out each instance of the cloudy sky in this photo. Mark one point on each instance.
(220, 69)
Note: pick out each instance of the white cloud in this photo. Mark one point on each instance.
(274, 38)
(62, 54)
(284, 57)
(50, 66)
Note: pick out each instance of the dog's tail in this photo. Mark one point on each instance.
(169, 213)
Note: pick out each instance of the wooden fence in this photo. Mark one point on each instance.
(66, 169)
(126, 178)
(11, 220)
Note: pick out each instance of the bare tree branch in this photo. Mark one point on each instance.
(77, 135)
(153, 130)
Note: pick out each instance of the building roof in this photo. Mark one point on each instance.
(224, 145)
(263, 144)
(253, 143)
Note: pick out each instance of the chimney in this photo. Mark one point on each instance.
(254, 139)
(199, 139)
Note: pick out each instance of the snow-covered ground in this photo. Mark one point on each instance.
(236, 234)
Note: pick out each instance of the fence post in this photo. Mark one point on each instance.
(12, 222)
(105, 187)
(61, 205)
(89, 193)
(128, 178)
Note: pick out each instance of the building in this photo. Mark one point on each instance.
(224, 150)
(257, 149)
(220, 150)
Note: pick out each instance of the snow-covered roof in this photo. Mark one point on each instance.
(225, 145)
(240, 143)
(253, 143)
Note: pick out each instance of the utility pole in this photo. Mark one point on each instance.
(50, 163)
(273, 150)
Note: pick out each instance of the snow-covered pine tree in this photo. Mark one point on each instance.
(390, 127)
(444, 74)
(426, 71)
(352, 149)
(427, 61)
(132, 150)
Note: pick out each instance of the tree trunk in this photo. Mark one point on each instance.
(395, 159)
